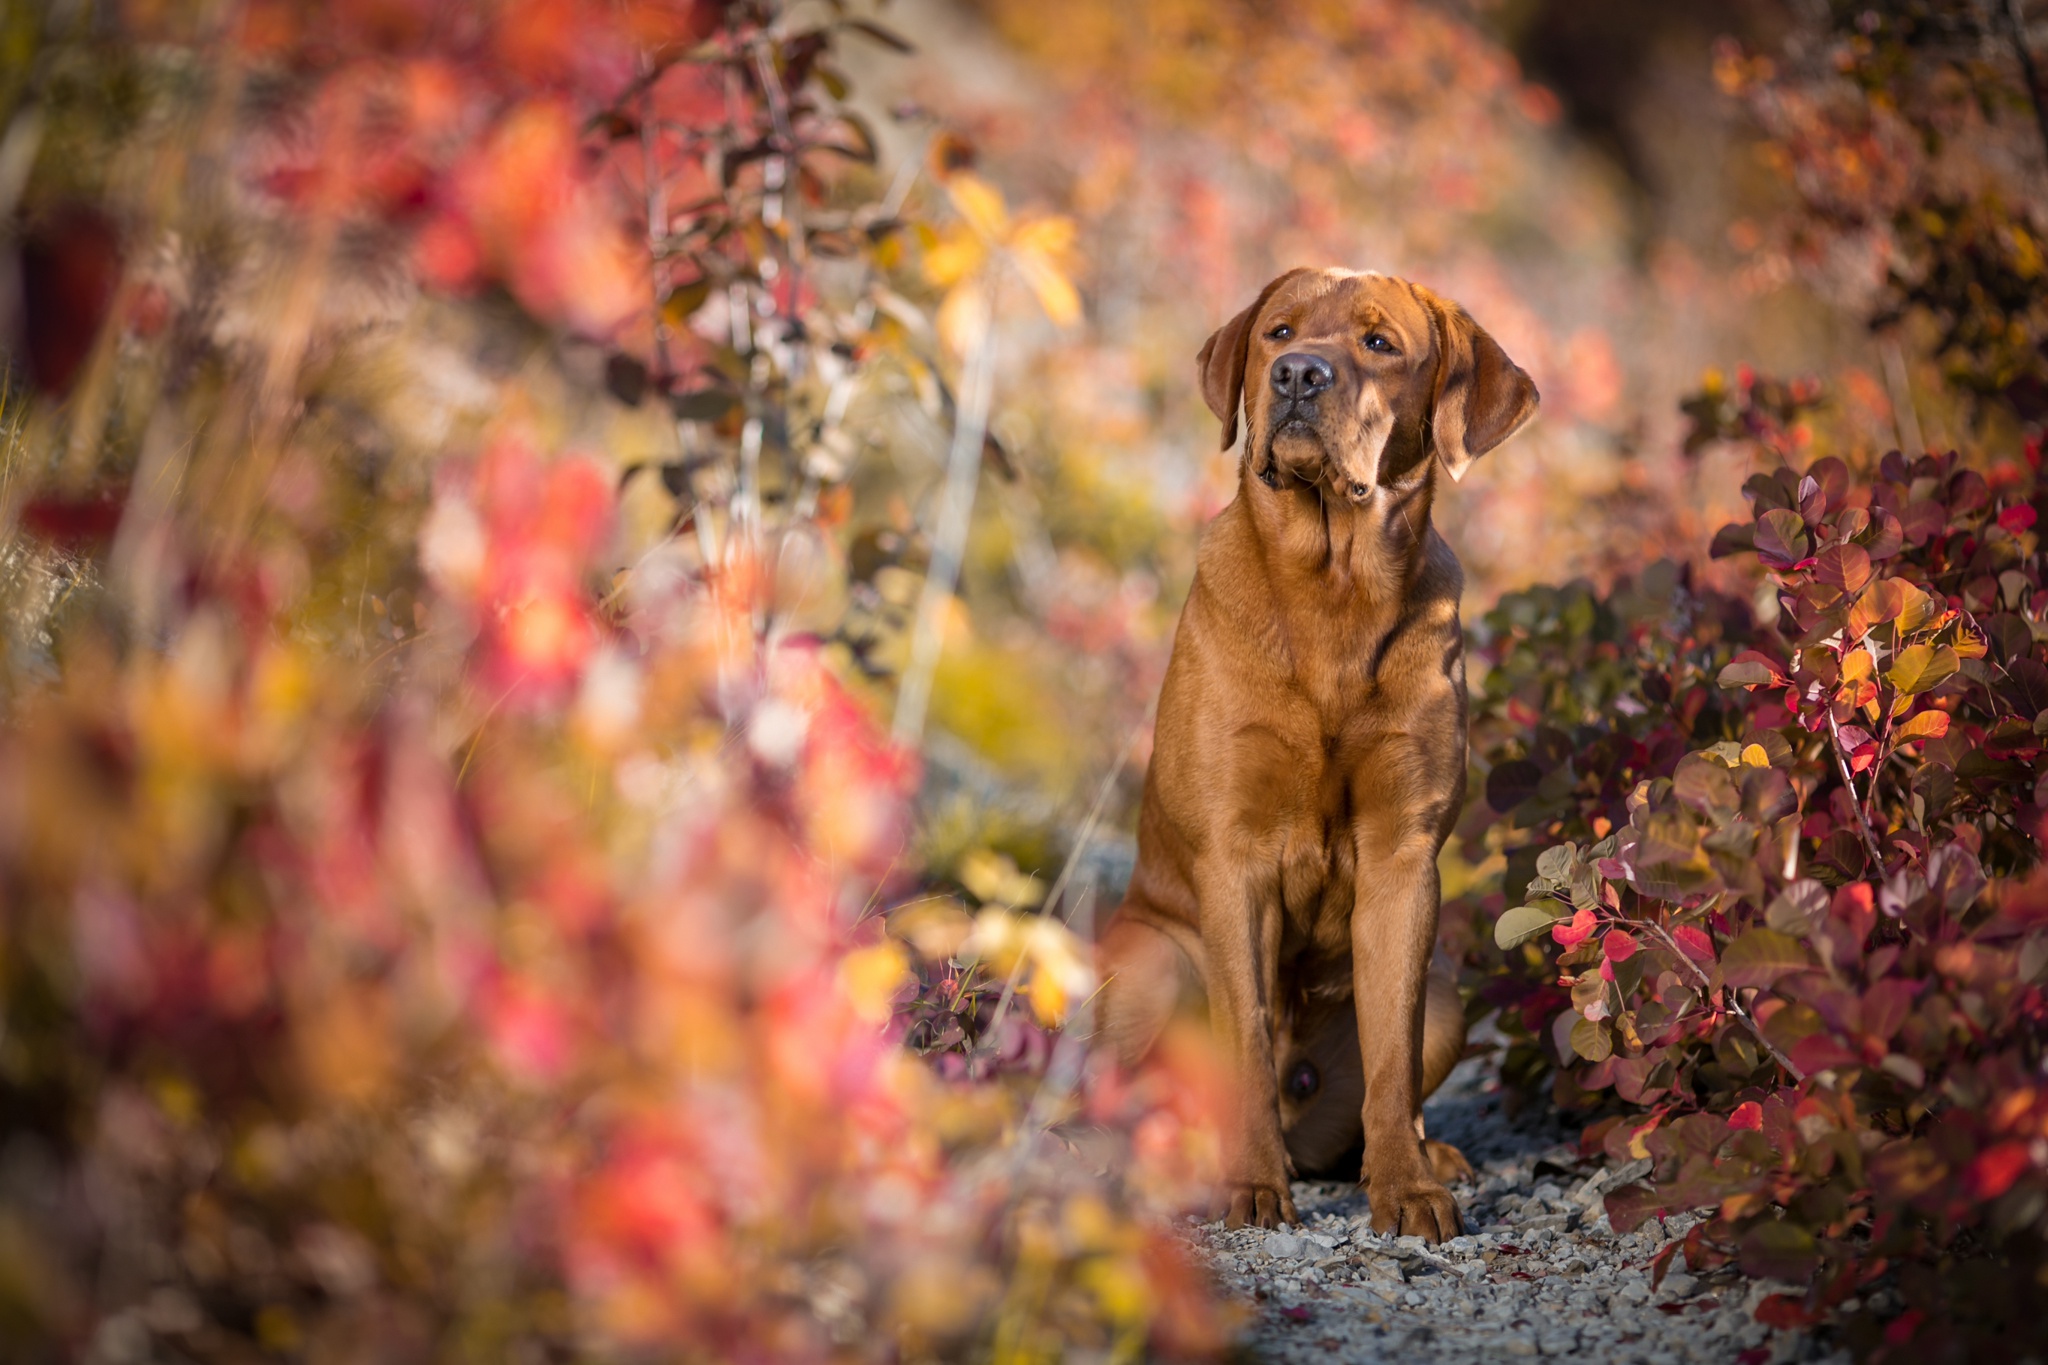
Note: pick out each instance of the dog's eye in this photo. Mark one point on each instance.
(1304, 1080)
(1280, 333)
(1375, 342)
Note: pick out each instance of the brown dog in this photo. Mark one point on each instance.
(1310, 753)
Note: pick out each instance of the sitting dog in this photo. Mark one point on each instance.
(1309, 758)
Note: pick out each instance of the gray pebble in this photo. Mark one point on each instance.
(1582, 1294)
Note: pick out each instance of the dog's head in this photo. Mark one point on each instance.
(1351, 380)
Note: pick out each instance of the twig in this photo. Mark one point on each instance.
(1849, 781)
(1884, 747)
(2016, 34)
(1081, 842)
(656, 187)
(1905, 416)
(956, 508)
(1734, 1005)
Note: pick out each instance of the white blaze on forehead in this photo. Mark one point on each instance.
(1312, 285)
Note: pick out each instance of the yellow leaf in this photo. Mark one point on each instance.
(935, 928)
(1052, 234)
(1753, 755)
(953, 258)
(1120, 1287)
(1921, 668)
(980, 203)
(2026, 253)
(963, 317)
(1858, 666)
(1926, 725)
(872, 976)
(993, 878)
(1048, 998)
(1918, 610)
(1056, 295)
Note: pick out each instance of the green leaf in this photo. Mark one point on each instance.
(1799, 908)
(704, 405)
(1760, 956)
(1779, 1250)
(1922, 668)
(1525, 922)
(1743, 676)
(1557, 863)
(1591, 1040)
(1750, 669)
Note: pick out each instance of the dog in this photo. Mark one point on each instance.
(1309, 755)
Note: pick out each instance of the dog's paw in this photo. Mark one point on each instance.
(1259, 1205)
(1419, 1207)
(1446, 1162)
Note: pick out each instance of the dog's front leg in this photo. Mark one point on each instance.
(1241, 942)
(1393, 929)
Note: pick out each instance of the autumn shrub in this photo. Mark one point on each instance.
(1771, 909)
(1775, 913)
(451, 863)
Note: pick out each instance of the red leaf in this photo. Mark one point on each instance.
(1900, 1329)
(1580, 927)
(1995, 1170)
(1620, 945)
(1633, 1205)
(1783, 1311)
(2016, 519)
(1845, 566)
(1694, 943)
(1749, 1114)
(1820, 1052)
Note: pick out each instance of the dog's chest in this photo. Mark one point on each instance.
(1318, 842)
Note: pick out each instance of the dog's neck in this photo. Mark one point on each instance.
(1343, 556)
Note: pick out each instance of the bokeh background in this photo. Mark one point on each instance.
(584, 583)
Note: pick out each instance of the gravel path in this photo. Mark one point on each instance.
(1540, 1272)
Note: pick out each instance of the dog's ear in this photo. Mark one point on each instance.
(1481, 397)
(1222, 360)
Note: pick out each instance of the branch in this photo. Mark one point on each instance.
(949, 535)
(1734, 1005)
(1884, 753)
(1849, 781)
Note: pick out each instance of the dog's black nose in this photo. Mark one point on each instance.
(1298, 375)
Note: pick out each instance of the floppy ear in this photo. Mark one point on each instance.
(1222, 360)
(1481, 397)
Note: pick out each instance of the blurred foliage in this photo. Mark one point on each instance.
(459, 899)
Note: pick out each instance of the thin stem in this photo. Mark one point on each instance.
(656, 186)
(956, 509)
(2016, 34)
(1849, 781)
(1081, 842)
(1734, 1005)
(1884, 747)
